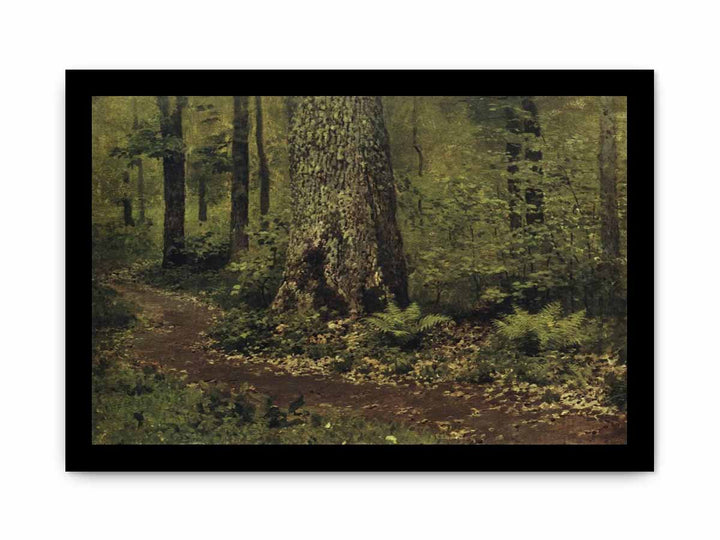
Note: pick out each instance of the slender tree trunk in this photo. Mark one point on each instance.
(141, 191)
(521, 153)
(345, 249)
(512, 151)
(610, 230)
(202, 198)
(140, 171)
(415, 143)
(127, 201)
(240, 178)
(264, 171)
(174, 180)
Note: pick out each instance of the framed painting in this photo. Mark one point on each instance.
(447, 277)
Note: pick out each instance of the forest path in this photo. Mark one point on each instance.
(174, 336)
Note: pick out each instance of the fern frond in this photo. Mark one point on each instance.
(412, 313)
(431, 321)
(405, 325)
(548, 327)
(551, 312)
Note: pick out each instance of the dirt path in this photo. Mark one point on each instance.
(175, 338)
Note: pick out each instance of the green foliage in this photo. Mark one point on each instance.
(214, 153)
(149, 142)
(616, 390)
(462, 256)
(151, 406)
(247, 330)
(207, 251)
(405, 326)
(109, 310)
(546, 330)
(539, 348)
(260, 269)
(113, 244)
(244, 330)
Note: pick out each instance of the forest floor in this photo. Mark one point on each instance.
(174, 336)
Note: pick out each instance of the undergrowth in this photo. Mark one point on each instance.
(133, 405)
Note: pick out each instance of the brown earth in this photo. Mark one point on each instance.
(174, 337)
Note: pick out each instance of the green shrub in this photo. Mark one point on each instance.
(539, 348)
(114, 244)
(405, 327)
(260, 271)
(109, 310)
(616, 390)
(297, 333)
(243, 330)
(149, 406)
(207, 251)
(249, 330)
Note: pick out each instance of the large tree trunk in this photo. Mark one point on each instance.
(610, 230)
(264, 171)
(240, 178)
(174, 180)
(345, 250)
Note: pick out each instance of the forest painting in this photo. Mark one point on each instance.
(359, 270)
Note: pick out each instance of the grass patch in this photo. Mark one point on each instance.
(147, 405)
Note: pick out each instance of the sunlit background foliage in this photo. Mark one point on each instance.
(462, 255)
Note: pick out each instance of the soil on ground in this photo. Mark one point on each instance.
(175, 336)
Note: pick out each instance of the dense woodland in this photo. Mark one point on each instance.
(469, 251)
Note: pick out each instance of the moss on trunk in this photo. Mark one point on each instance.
(345, 250)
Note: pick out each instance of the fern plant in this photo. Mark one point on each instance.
(545, 330)
(405, 326)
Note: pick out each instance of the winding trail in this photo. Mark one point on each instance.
(174, 337)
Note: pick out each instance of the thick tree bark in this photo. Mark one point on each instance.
(610, 230)
(263, 170)
(174, 179)
(127, 201)
(240, 178)
(415, 143)
(345, 249)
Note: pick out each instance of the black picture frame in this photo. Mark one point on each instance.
(636, 455)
